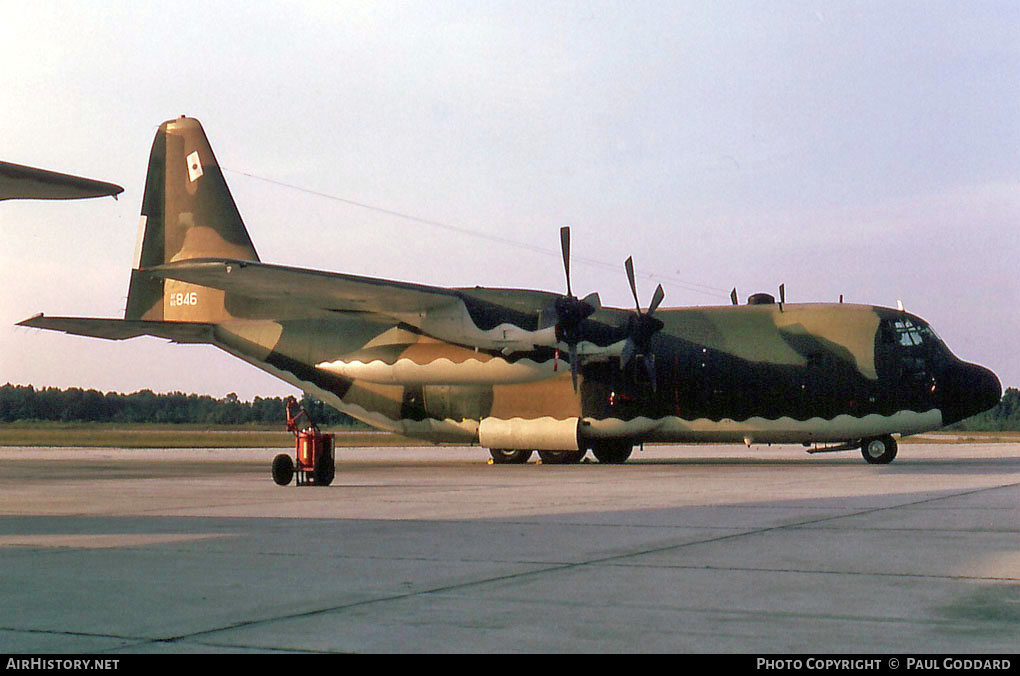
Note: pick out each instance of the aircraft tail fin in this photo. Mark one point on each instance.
(187, 212)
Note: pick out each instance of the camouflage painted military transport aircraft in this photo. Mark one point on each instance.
(518, 370)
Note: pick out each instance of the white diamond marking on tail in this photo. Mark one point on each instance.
(194, 167)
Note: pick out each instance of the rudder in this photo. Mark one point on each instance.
(187, 212)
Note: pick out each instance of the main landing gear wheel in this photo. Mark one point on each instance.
(509, 456)
(879, 450)
(612, 452)
(283, 469)
(561, 457)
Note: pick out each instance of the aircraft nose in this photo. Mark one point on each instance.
(968, 389)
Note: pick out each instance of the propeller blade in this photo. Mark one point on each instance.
(629, 349)
(565, 248)
(650, 369)
(656, 298)
(573, 365)
(629, 265)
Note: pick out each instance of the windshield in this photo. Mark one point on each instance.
(907, 332)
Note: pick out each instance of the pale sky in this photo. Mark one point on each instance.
(864, 149)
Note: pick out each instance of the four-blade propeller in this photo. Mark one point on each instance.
(570, 311)
(641, 327)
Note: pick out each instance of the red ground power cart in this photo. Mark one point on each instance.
(314, 461)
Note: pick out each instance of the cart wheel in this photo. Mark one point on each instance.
(324, 471)
(283, 469)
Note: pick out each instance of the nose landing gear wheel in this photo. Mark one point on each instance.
(879, 450)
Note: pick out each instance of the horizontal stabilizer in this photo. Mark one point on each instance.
(122, 329)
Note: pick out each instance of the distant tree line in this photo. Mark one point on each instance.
(25, 403)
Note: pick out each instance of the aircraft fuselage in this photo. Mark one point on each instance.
(803, 373)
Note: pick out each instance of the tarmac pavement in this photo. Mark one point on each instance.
(694, 549)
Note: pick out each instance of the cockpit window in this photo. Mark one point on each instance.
(906, 332)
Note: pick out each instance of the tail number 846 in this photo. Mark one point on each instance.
(190, 298)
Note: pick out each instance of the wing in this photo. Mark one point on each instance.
(352, 293)
(20, 182)
(325, 290)
(440, 312)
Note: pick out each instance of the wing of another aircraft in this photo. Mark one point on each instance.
(21, 182)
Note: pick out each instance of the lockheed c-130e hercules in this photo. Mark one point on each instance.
(518, 370)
